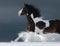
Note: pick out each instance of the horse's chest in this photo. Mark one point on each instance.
(40, 24)
(30, 24)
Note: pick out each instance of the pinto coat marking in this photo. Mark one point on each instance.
(54, 26)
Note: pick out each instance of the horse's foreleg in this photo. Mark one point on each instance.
(17, 39)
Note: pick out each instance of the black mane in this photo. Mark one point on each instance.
(33, 10)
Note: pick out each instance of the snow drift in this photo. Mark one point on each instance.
(33, 37)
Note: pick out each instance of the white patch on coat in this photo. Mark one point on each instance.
(20, 11)
(37, 19)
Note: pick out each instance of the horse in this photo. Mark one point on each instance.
(36, 23)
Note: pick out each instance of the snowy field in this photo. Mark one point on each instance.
(33, 39)
(29, 44)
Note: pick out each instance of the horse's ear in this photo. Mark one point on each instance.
(26, 4)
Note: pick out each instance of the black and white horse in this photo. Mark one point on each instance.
(36, 23)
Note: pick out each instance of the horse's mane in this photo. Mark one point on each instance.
(35, 11)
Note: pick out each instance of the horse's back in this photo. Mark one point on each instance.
(58, 27)
(54, 26)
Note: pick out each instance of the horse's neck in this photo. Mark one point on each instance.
(29, 19)
(30, 24)
(36, 19)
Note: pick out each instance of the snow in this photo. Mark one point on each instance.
(29, 44)
(33, 37)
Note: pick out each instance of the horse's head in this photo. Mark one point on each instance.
(28, 9)
(24, 10)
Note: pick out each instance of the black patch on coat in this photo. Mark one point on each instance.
(40, 24)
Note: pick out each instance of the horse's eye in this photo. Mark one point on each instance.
(24, 11)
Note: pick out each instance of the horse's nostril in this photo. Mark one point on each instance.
(22, 14)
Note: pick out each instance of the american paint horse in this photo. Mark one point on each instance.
(36, 23)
